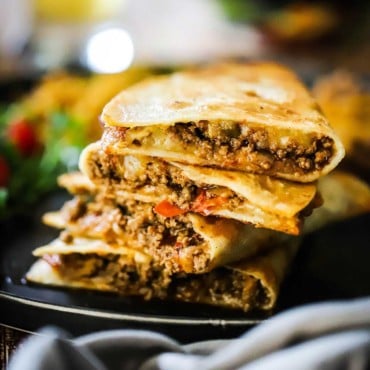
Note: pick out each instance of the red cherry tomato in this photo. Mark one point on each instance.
(4, 172)
(23, 135)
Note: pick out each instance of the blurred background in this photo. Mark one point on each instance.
(61, 61)
(110, 35)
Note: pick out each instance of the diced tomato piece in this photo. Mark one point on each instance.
(52, 259)
(203, 204)
(179, 245)
(4, 172)
(23, 135)
(167, 209)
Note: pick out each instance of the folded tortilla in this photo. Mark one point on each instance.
(177, 189)
(252, 283)
(344, 196)
(188, 243)
(92, 264)
(253, 117)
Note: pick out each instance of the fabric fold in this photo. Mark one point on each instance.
(321, 336)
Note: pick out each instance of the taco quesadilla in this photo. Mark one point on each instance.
(194, 189)
(251, 283)
(188, 243)
(92, 264)
(255, 117)
(177, 189)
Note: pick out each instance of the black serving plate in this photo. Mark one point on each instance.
(331, 264)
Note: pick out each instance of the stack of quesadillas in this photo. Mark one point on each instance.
(196, 191)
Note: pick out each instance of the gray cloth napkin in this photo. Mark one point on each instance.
(334, 335)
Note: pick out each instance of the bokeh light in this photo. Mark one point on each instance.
(109, 51)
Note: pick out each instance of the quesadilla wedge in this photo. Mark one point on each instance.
(344, 196)
(252, 283)
(253, 117)
(188, 243)
(176, 189)
(92, 264)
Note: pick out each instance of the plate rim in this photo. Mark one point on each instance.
(124, 317)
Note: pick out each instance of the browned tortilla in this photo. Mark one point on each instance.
(257, 199)
(255, 117)
(188, 243)
(91, 264)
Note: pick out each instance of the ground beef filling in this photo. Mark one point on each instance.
(221, 287)
(227, 144)
(220, 142)
(169, 179)
(166, 178)
(135, 224)
(113, 272)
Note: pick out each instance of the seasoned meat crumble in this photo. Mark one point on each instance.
(164, 178)
(231, 145)
(172, 241)
(220, 287)
(115, 273)
(223, 140)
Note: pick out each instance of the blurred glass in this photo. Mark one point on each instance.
(15, 26)
(62, 28)
(77, 10)
(15, 30)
